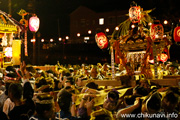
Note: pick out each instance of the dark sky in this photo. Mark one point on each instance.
(52, 11)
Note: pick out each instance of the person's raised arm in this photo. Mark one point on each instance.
(128, 110)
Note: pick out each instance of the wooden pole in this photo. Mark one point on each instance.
(112, 63)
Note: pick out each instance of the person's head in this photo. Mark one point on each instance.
(69, 81)
(141, 91)
(64, 99)
(94, 72)
(92, 85)
(44, 106)
(28, 91)
(151, 104)
(51, 73)
(111, 100)
(44, 81)
(79, 81)
(129, 99)
(173, 68)
(15, 91)
(10, 69)
(39, 73)
(144, 83)
(105, 67)
(11, 77)
(103, 117)
(169, 101)
(101, 114)
(30, 71)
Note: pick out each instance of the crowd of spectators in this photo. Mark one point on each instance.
(28, 93)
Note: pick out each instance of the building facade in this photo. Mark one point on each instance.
(85, 23)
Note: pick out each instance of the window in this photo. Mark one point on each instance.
(101, 21)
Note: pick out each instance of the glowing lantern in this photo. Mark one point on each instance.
(34, 24)
(135, 14)
(177, 34)
(8, 52)
(163, 57)
(101, 40)
(16, 52)
(156, 31)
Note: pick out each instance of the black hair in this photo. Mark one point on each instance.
(16, 90)
(10, 68)
(7, 87)
(103, 117)
(43, 81)
(171, 97)
(92, 85)
(141, 91)
(153, 101)
(71, 80)
(129, 99)
(64, 100)
(40, 107)
(30, 69)
(12, 75)
(114, 95)
(28, 91)
(174, 89)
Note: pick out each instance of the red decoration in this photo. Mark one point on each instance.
(163, 57)
(101, 40)
(24, 22)
(156, 31)
(135, 14)
(177, 34)
(34, 24)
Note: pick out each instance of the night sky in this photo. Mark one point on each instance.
(52, 11)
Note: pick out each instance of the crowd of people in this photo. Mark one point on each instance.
(29, 93)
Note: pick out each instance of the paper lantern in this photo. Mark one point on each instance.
(8, 52)
(156, 31)
(177, 34)
(135, 14)
(34, 24)
(163, 57)
(101, 40)
(16, 52)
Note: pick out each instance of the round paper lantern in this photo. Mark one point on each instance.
(163, 57)
(101, 40)
(177, 34)
(8, 52)
(135, 14)
(34, 24)
(156, 31)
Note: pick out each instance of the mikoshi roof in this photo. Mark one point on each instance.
(9, 24)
